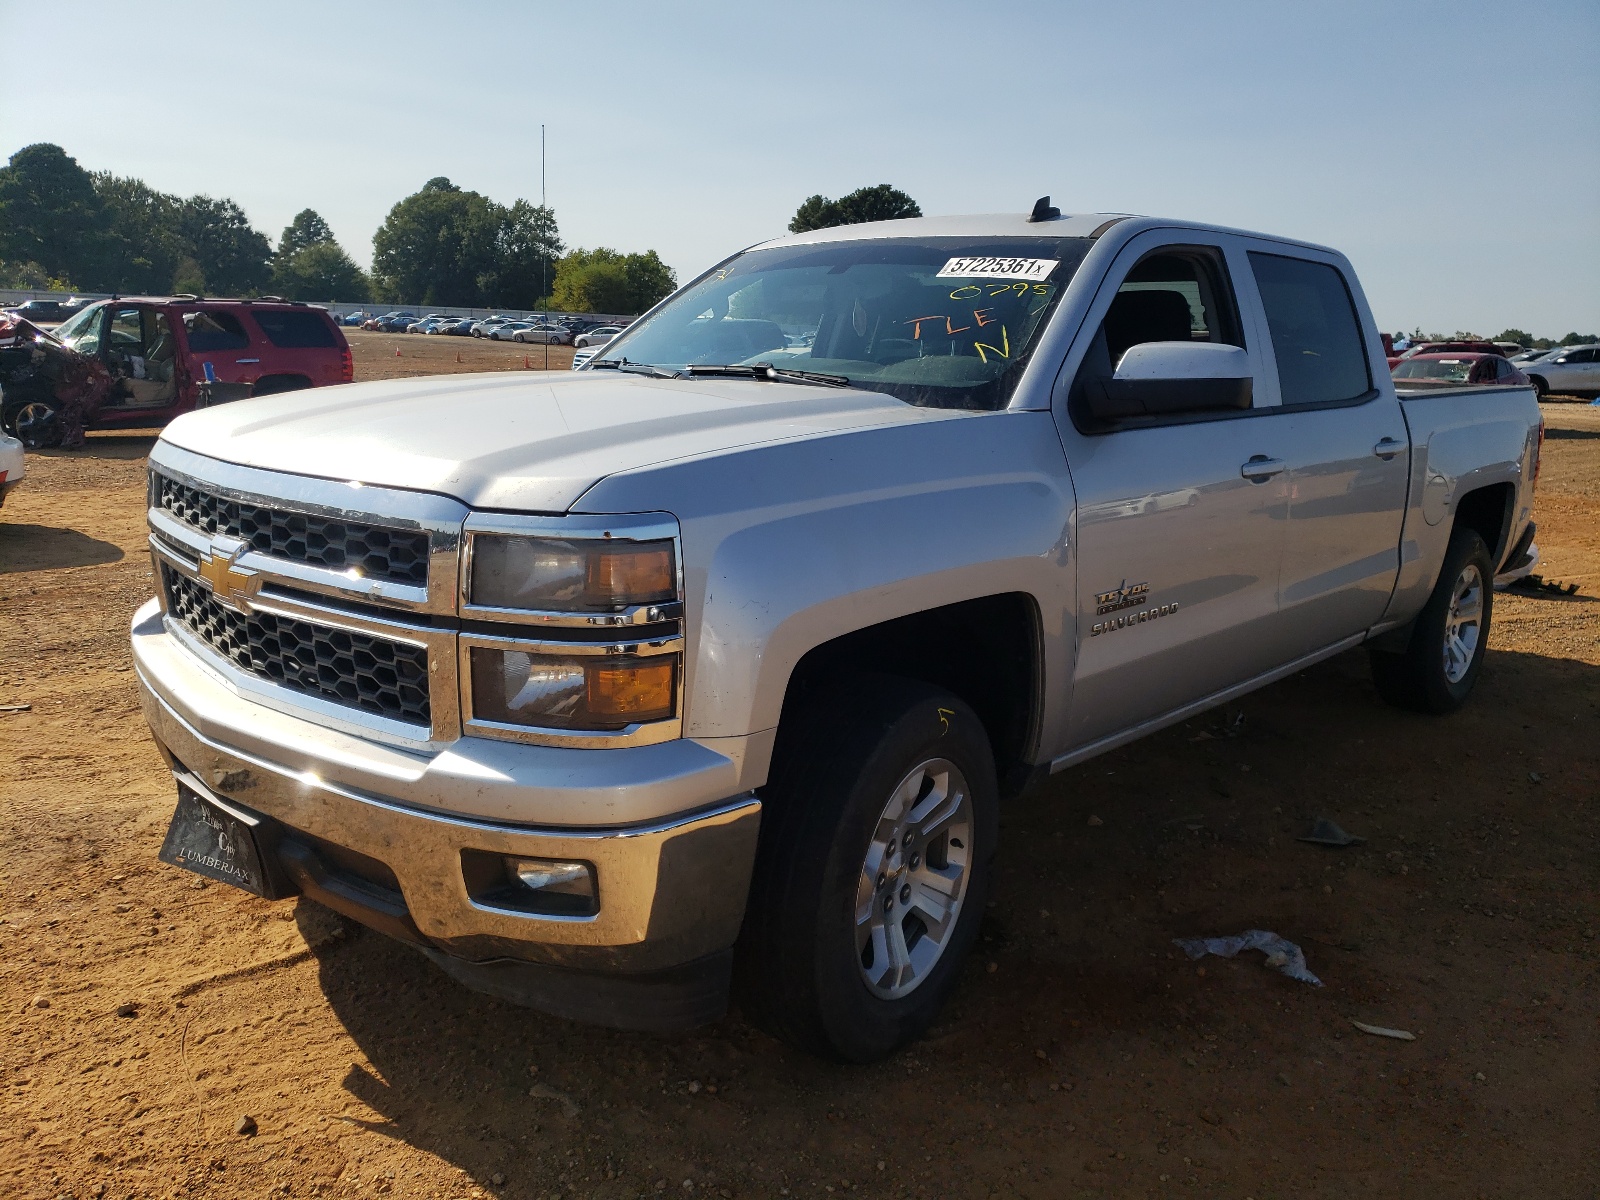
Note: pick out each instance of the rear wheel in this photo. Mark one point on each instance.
(34, 423)
(1437, 670)
(878, 830)
(1540, 387)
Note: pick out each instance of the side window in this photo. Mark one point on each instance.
(295, 329)
(212, 329)
(127, 331)
(1174, 294)
(1316, 337)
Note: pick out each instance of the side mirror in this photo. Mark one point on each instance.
(1163, 378)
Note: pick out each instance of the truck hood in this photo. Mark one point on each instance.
(520, 442)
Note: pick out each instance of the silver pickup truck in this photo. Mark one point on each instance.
(706, 668)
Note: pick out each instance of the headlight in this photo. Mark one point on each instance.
(599, 692)
(578, 575)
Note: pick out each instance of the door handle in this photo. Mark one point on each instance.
(1388, 448)
(247, 360)
(1260, 468)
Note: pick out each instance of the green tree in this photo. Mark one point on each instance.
(143, 244)
(49, 213)
(1578, 339)
(234, 258)
(527, 247)
(879, 203)
(320, 271)
(439, 246)
(307, 229)
(605, 281)
(1520, 336)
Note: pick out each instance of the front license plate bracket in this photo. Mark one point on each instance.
(223, 841)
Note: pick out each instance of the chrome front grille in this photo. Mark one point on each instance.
(377, 675)
(334, 542)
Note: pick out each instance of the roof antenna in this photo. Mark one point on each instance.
(1042, 211)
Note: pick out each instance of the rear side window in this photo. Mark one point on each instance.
(291, 330)
(213, 329)
(1315, 335)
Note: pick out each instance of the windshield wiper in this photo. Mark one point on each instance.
(633, 368)
(764, 371)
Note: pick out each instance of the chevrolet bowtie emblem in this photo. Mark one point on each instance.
(229, 583)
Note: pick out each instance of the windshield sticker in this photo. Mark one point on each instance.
(999, 268)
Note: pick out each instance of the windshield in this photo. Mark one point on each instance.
(70, 332)
(942, 322)
(1454, 369)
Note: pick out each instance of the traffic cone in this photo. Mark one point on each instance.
(458, 356)
(397, 351)
(526, 365)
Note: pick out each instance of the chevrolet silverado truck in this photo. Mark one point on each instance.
(703, 671)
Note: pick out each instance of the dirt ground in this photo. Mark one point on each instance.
(146, 1013)
(432, 354)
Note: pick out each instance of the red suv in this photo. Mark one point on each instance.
(141, 361)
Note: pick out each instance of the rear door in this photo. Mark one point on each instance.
(217, 336)
(1181, 518)
(1340, 428)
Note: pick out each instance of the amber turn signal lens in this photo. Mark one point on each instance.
(640, 575)
(642, 690)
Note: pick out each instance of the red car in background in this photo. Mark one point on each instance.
(1452, 347)
(1429, 370)
(140, 362)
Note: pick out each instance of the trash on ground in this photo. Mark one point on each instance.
(1327, 833)
(16, 708)
(1379, 1031)
(1281, 953)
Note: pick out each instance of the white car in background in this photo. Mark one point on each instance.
(11, 465)
(552, 335)
(598, 336)
(1572, 371)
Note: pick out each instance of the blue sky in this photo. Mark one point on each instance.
(1452, 150)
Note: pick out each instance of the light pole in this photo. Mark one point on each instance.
(544, 262)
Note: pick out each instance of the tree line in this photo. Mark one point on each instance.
(64, 228)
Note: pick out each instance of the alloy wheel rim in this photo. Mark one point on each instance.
(914, 879)
(33, 423)
(1464, 624)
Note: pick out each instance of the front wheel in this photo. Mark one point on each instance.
(34, 423)
(1438, 668)
(878, 830)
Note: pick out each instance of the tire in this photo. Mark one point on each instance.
(34, 423)
(1439, 666)
(820, 962)
(1540, 387)
(516, 337)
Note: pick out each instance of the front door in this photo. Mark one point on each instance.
(1181, 519)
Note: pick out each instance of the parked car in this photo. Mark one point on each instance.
(459, 326)
(1528, 356)
(12, 466)
(1567, 371)
(1457, 370)
(552, 335)
(580, 357)
(41, 312)
(598, 336)
(355, 319)
(147, 360)
(394, 322)
(488, 325)
(716, 658)
(1447, 347)
(503, 331)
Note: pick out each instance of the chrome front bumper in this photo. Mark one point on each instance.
(671, 841)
